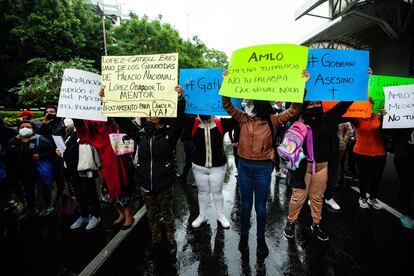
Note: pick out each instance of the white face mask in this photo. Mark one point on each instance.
(25, 132)
(68, 122)
(249, 110)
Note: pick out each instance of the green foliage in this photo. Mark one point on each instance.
(140, 36)
(10, 118)
(44, 86)
(51, 29)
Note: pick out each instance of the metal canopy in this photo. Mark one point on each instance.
(365, 25)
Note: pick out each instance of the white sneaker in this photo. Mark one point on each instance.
(224, 221)
(93, 222)
(363, 203)
(375, 203)
(332, 203)
(79, 222)
(198, 221)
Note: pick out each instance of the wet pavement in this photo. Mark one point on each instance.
(362, 242)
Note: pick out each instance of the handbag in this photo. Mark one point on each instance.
(46, 168)
(121, 144)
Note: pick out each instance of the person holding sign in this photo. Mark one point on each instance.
(156, 169)
(308, 180)
(257, 131)
(371, 157)
(209, 163)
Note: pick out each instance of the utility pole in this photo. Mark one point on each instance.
(187, 25)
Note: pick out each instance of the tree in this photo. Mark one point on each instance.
(139, 36)
(43, 86)
(51, 29)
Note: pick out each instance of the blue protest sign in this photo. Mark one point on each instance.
(340, 75)
(202, 91)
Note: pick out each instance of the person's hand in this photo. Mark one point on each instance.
(383, 112)
(102, 92)
(179, 90)
(36, 156)
(225, 74)
(235, 145)
(58, 152)
(306, 75)
(370, 72)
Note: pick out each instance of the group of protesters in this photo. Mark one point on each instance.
(29, 154)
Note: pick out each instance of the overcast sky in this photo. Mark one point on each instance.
(228, 25)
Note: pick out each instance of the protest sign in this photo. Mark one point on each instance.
(399, 104)
(376, 85)
(267, 72)
(356, 110)
(337, 75)
(201, 88)
(79, 95)
(140, 86)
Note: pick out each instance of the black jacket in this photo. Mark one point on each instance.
(19, 156)
(156, 166)
(325, 131)
(215, 143)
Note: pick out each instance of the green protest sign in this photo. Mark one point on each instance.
(376, 85)
(267, 72)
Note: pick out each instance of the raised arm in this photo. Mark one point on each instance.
(233, 111)
(128, 127)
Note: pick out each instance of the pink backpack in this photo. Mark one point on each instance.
(291, 148)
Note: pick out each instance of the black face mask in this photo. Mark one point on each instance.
(314, 111)
(50, 117)
(204, 117)
(149, 127)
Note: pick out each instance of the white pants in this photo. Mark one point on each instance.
(209, 180)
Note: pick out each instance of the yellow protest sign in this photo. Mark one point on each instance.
(140, 86)
(267, 72)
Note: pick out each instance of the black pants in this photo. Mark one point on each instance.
(405, 168)
(188, 149)
(370, 173)
(351, 158)
(29, 189)
(85, 189)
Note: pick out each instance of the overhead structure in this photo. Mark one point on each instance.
(361, 24)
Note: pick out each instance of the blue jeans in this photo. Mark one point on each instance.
(254, 178)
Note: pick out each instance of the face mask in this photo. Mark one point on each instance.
(68, 123)
(25, 132)
(149, 127)
(314, 111)
(204, 117)
(249, 110)
(50, 117)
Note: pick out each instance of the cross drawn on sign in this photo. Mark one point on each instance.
(333, 89)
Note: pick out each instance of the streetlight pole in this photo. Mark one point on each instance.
(187, 25)
(104, 33)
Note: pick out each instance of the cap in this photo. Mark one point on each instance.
(25, 113)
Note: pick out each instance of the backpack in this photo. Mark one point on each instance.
(217, 121)
(291, 149)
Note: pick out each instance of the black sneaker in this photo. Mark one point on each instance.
(319, 233)
(289, 231)
(244, 243)
(262, 249)
(151, 250)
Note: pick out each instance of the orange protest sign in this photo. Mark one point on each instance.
(356, 110)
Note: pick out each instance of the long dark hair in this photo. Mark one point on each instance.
(263, 109)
